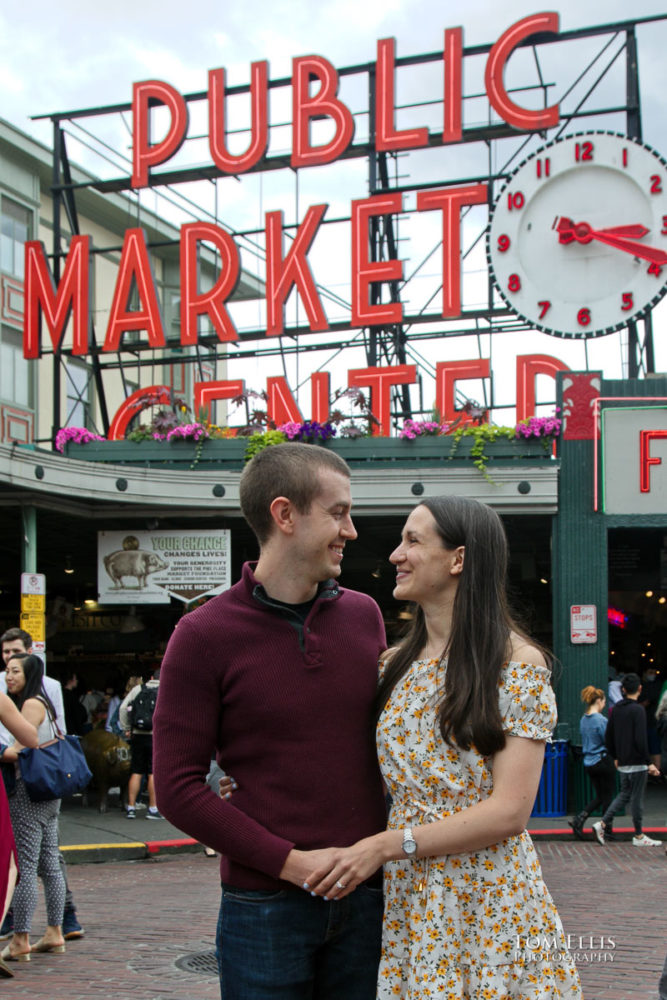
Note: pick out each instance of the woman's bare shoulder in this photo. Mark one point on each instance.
(522, 650)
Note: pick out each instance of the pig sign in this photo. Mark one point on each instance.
(135, 563)
(151, 567)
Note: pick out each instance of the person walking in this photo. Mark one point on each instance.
(136, 719)
(279, 675)
(598, 765)
(627, 742)
(464, 709)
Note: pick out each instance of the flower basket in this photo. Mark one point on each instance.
(215, 453)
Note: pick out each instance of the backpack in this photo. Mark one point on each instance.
(143, 707)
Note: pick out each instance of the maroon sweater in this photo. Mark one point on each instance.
(289, 713)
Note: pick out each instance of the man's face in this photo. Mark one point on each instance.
(321, 534)
(11, 648)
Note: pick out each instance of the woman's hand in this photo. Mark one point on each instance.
(342, 869)
(226, 785)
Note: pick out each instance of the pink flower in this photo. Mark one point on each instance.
(80, 435)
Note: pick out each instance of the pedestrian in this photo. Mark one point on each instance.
(35, 824)
(598, 765)
(662, 986)
(136, 719)
(17, 641)
(627, 742)
(661, 725)
(75, 714)
(464, 709)
(26, 734)
(650, 697)
(614, 692)
(279, 675)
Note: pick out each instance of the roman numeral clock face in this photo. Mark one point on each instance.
(577, 242)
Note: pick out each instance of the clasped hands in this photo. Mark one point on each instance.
(333, 872)
(330, 872)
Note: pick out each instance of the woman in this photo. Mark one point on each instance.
(598, 765)
(464, 708)
(22, 730)
(35, 823)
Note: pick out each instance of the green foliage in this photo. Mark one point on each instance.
(257, 442)
(482, 433)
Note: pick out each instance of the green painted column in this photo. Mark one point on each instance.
(579, 571)
(29, 539)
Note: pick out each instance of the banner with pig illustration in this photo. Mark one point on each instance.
(150, 567)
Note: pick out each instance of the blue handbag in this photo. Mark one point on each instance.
(55, 769)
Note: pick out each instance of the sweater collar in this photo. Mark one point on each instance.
(326, 590)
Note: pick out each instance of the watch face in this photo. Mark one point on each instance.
(577, 241)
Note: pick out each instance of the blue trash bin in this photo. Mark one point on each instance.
(552, 794)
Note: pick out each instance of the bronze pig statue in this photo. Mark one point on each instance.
(108, 757)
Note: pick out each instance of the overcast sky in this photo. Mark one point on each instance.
(77, 54)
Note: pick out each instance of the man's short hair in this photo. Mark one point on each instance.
(285, 470)
(12, 634)
(631, 683)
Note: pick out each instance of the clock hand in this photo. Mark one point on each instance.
(616, 236)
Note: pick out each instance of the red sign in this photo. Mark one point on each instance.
(325, 104)
(583, 623)
(314, 96)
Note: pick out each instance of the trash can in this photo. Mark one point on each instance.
(552, 794)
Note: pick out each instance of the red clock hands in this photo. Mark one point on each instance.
(619, 237)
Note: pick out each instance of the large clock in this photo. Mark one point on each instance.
(577, 241)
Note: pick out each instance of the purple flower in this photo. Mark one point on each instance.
(416, 428)
(309, 430)
(80, 435)
(539, 427)
(186, 432)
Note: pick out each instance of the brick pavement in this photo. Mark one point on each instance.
(141, 917)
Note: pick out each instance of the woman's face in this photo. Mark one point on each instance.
(425, 569)
(600, 703)
(15, 676)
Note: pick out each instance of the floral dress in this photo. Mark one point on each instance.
(479, 926)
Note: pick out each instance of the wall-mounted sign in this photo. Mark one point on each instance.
(583, 623)
(33, 608)
(150, 567)
(634, 459)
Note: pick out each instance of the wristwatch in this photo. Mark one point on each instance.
(409, 843)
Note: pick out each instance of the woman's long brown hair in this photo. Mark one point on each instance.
(479, 642)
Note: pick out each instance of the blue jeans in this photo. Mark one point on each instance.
(633, 786)
(289, 945)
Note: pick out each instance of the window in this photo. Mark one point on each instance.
(15, 372)
(79, 404)
(14, 231)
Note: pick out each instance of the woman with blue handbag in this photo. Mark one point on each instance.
(22, 730)
(35, 823)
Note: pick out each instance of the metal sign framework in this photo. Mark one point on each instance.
(388, 344)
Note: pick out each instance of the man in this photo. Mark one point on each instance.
(627, 743)
(279, 674)
(136, 719)
(13, 641)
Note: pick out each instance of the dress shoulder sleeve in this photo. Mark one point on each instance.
(527, 702)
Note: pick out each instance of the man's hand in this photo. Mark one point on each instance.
(299, 865)
(653, 771)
